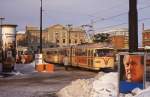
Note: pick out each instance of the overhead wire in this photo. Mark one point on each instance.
(114, 16)
(140, 20)
(104, 10)
(120, 14)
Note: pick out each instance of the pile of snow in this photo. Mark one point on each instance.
(15, 73)
(32, 64)
(103, 85)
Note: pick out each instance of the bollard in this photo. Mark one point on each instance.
(49, 67)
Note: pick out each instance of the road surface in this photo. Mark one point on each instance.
(26, 82)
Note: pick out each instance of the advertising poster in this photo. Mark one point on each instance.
(148, 67)
(131, 72)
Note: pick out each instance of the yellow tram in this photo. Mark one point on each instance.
(91, 56)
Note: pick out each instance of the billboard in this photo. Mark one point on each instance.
(147, 68)
(131, 71)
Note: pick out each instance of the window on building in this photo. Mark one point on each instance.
(56, 35)
(75, 41)
(145, 37)
(81, 41)
(57, 41)
(69, 40)
(63, 40)
(126, 38)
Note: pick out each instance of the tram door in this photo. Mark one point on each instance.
(90, 57)
(73, 57)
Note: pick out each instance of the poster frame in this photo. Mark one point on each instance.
(119, 67)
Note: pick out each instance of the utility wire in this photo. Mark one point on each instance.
(108, 18)
(143, 19)
(104, 10)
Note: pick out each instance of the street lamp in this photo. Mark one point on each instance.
(1, 22)
(56, 37)
(2, 18)
(1, 43)
(41, 28)
(69, 29)
(39, 57)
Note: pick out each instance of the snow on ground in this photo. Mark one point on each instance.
(103, 85)
(19, 70)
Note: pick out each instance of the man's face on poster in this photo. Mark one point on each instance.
(134, 69)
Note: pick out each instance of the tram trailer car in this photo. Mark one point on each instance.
(93, 56)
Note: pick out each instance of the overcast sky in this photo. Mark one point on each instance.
(76, 12)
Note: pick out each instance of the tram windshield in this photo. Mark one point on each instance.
(103, 52)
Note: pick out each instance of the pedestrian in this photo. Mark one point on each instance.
(65, 61)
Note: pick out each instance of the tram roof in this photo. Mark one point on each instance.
(96, 45)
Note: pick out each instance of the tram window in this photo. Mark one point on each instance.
(73, 52)
(104, 52)
(63, 40)
(96, 54)
(48, 52)
(83, 52)
(55, 52)
(89, 54)
(77, 52)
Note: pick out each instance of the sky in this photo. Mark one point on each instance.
(106, 14)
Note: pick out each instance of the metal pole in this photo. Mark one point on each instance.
(1, 21)
(56, 37)
(133, 26)
(41, 28)
(1, 18)
(69, 29)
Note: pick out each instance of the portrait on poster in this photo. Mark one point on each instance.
(131, 72)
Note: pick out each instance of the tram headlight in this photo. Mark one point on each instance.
(97, 61)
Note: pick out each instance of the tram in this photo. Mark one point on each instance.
(90, 56)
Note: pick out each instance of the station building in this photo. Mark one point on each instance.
(146, 37)
(119, 37)
(55, 35)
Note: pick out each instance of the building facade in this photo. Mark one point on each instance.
(119, 37)
(63, 36)
(21, 39)
(33, 37)
(146, 38)
(55, 35)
